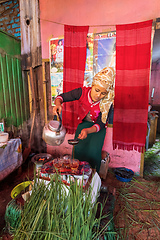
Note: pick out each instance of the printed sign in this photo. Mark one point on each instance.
(1, 127)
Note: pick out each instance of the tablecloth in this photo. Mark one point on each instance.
(10, 156)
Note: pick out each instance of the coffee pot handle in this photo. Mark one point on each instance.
(60, 124)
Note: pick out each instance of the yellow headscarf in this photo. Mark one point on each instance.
(105, 78)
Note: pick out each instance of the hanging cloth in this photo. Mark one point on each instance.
(133, 54)
(75, 38)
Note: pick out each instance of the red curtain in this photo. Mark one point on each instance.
(73, 70)
(133, 54)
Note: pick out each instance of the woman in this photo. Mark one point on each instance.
(95, 104)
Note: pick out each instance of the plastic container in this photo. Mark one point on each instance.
(123, 174)
(19, 188)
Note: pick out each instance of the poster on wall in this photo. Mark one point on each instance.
(88, 74)
(104, 51)
(104, 54)
(56, 47)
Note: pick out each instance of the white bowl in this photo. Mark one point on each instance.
(3, 137)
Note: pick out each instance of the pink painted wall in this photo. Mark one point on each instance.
(121, 158)
(100, 16)
(92, 13)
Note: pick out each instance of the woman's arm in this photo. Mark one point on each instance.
(72, 95)
(83, 134)
(93, 129)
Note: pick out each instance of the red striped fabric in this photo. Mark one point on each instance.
(133, 53)
(73, 70)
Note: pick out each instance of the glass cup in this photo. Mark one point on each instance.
(58, 164)
(66, 161)
(74, 165)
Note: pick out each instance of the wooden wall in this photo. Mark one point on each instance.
(32, 68)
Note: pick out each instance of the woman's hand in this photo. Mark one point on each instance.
(83, 134)
(85, 131)
(57, 107)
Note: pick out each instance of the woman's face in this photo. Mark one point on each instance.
(97, 93)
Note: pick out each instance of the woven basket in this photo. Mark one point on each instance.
(12, 216)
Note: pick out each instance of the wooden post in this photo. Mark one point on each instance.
(44, 91)
(142, 163)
